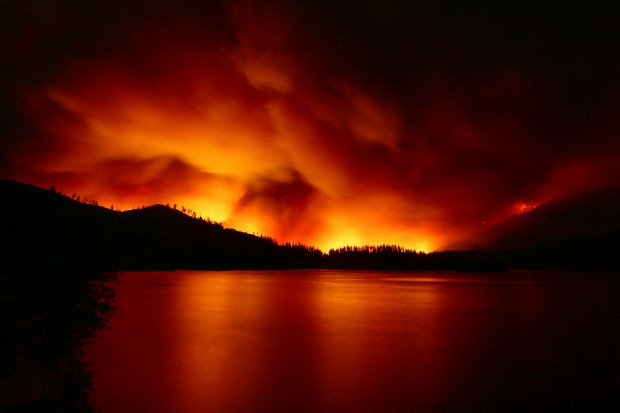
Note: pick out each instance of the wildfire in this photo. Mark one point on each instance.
(521, 208)
(252, 116)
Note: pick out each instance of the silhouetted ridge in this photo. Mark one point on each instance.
(569, 218)
(44, 227)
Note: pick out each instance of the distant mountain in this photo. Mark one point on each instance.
(569, 219)
(46, 228)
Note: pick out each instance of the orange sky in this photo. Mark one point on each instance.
(280, 121)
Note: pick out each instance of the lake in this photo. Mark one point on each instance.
(359, 341)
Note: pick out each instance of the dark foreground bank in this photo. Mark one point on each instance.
(48, 317)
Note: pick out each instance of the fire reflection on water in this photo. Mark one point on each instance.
(317, 340)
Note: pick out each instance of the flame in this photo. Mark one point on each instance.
(521, 208)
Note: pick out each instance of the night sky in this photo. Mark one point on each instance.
(329, 123)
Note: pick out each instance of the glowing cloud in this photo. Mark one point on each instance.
(274, 121)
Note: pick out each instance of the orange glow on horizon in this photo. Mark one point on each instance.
(253, 159)
(254, 118)
(256, 162)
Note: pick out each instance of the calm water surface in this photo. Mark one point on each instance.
(323, 340)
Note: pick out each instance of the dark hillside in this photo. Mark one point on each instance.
(573, 218)
(160, 237)
(43, 228)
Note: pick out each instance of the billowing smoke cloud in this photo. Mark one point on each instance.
(315, 123)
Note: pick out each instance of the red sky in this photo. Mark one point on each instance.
(327, 123)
